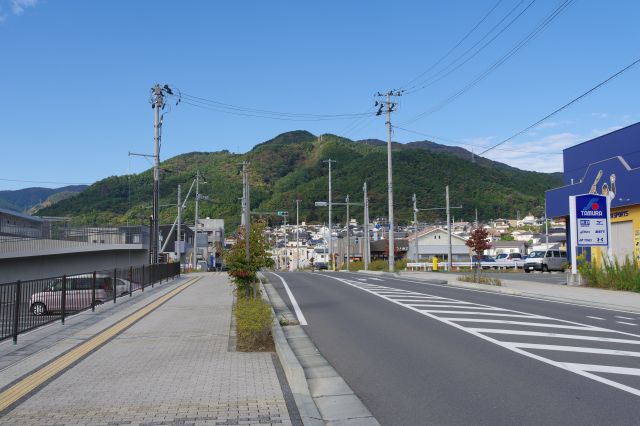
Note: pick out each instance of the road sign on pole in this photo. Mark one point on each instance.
(283, 213)
(321, 204)
(589, 222)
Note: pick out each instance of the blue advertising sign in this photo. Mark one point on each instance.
(591, 220)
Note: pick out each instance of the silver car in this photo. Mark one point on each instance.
(546, 261)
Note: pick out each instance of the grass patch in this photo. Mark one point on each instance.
(480, 280)
(612, 275)
(253, 325)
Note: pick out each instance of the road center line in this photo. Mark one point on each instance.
(301, 319)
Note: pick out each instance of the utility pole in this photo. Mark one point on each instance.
(157, 104)
(286, 249)
(546, 225)
(329, 161)
(450, 258)
(366, 229)
(348, 238)
(389, 107)
(415, 224)
(178, 246)
(298, 234)
(476, 218)
(246, 210)
(195, 238)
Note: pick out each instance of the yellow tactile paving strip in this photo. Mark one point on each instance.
(30, 383)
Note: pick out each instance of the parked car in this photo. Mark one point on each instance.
(486, 261)
(79, 293)
(546, 260)
(321, 265)
(508, 257)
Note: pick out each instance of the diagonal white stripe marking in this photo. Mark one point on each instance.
(421, 305)
(596, 318)
(627, 318)
(603, 369)
(572, 349)
(484, 313)
(530, 324)
(476, 332)
(626, 323)
(556, 335)
(301, 319)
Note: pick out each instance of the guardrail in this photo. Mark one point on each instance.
(428, 266)
(26, 305)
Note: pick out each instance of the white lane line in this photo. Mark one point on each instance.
(573, 349)
(596, 318)
(375, 279)
(556, 335)
(626, 323)
(627, 318)
(484, 313)
(526, 323)
(594, 368)
(423, 305)
(301, 319)
(476, 332)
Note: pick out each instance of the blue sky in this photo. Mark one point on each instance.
(76, 76)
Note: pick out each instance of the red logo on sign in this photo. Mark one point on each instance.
(595, 206)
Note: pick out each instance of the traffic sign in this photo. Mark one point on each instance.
(321, 204)
(283, 213)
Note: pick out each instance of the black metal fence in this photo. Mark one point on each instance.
(25, 305)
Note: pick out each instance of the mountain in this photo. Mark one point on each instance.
(290, 166)
(23, 200)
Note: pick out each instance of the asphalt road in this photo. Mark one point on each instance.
(430, 354)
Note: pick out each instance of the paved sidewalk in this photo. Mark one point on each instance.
(172, 367)
(610, 299)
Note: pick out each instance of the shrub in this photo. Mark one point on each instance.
(480, 280)
(253, 324)
(612, 275)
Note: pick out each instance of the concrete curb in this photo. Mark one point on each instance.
(293, 370)
(321, 394)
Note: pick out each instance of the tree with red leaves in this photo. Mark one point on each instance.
(478, 242)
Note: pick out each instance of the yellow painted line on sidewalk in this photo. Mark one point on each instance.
(34, 380)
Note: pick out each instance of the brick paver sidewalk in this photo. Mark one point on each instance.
(172, 367)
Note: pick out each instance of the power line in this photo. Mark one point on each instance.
(435, 78)
(565, 106)
(445, 56)
(515, 49)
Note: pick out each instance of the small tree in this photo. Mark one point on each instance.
(478, 242)
(244, 273)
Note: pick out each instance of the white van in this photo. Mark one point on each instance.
(546, 261)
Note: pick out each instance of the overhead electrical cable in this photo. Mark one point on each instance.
(515, 49)
(462, 40)
(565, 106)
(445, 72)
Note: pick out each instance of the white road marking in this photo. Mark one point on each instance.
(526, 323)
(375, 279)
(483, 313)
(301, 319)
(421, 305)
(557, 335)
(626, 323)
(580, 369)
(596, 318)
(627, 318)
(573, 349)
(604, 369)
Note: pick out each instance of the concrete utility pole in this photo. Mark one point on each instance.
(415, 226)
(329, 161)
(367, 247)
(546, 225)
(286, 249)
(178, 246)
(476, 218)
(348, 238)
(389, 107)
(450, 255)
(298, 234)
(157, 104)
(246, 210)
(195, 238)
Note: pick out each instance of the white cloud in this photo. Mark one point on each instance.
(599, 114)
(18, 6)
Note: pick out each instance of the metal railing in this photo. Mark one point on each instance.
(57, 235)
(26, 305)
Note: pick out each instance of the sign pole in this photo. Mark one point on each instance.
(574, 235)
